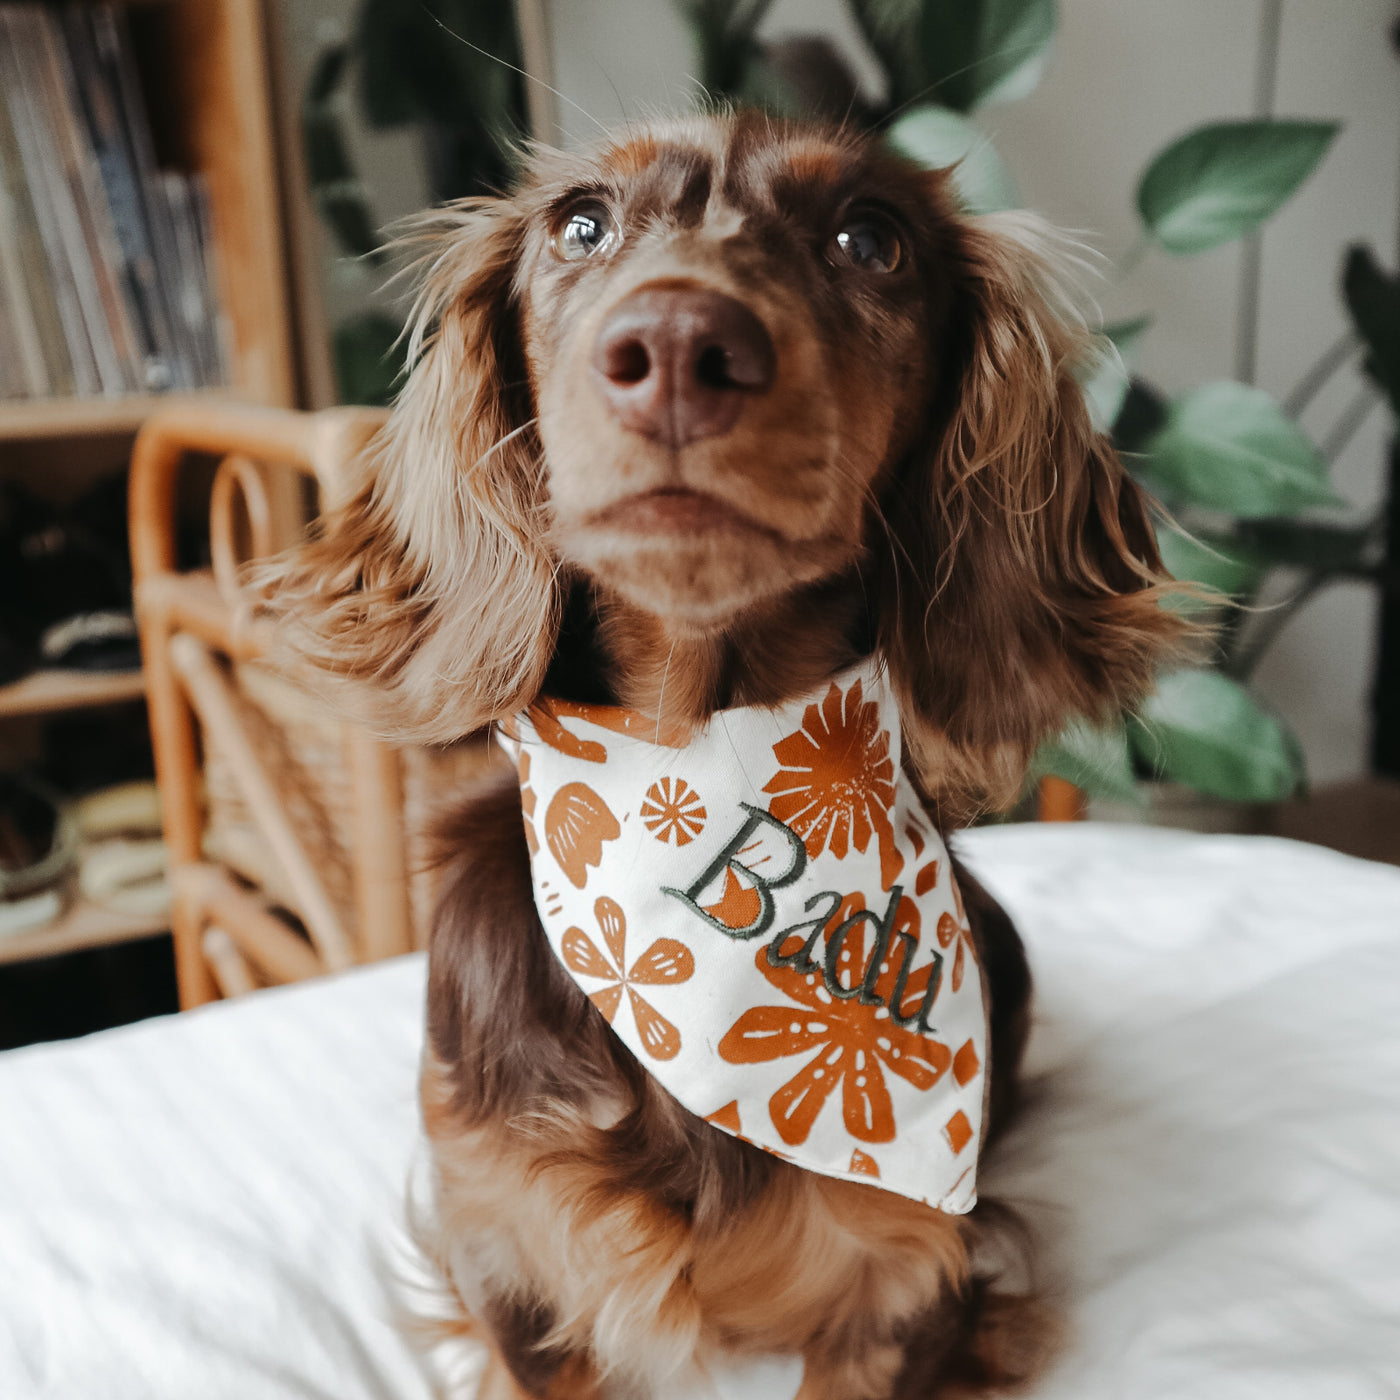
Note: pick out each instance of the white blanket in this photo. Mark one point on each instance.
(208, 1205)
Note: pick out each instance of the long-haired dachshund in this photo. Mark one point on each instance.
(701, 424)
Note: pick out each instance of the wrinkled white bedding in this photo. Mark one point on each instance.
(208, 1205)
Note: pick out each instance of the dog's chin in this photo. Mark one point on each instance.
(700, 580)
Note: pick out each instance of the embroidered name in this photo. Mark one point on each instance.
(747, 910)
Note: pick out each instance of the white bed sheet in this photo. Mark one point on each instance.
(209, 1205)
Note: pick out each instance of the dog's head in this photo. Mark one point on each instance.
(720, 371)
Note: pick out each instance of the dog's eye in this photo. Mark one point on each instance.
(870, 242)
(585, 228)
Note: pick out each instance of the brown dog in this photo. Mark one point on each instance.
(697, 420)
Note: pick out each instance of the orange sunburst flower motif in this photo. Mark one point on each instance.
(837, 783)
(855, 1044)
(672, 811)
(664, 964)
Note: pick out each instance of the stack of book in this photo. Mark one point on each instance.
(106, 280)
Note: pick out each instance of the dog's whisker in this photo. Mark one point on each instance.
(529, 77)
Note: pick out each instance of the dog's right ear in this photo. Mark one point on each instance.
(427, 601)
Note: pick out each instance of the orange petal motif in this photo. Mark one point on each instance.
(795, 1106)
(765, 1033)
(865, 1101)
(665, 963)
(581, 955)
(607, 1000)
(863, 1164)
(613, 923)
(548, 716)
(673, 812)
(918, 1059)
(966, 1064)
(576, 825)
(727, 1117)
(660, 1039)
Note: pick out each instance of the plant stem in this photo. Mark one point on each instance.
(1251, 272)
(1242, 665)
(1326, 365)
(1357, 412)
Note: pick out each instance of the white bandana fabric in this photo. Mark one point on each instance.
(768, 920)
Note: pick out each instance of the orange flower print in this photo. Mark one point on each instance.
(854, 1044)
(673, 812)
(863, 1164)
(836, 785)
(664, 964)
(548, 714)
(953, 931)
(575, 826)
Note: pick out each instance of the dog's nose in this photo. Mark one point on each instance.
(677, 363)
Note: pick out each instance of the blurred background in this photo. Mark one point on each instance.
(231, 169)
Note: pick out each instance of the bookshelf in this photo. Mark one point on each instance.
(204, 74)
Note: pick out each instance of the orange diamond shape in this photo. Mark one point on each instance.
(958, 1132)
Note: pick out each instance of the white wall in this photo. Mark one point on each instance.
(1126, 76)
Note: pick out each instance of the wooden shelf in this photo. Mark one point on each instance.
(46, 692)
(67, 418)
(82, 925)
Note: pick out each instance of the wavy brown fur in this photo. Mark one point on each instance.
(922, 479)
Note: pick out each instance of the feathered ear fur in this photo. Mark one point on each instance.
(1025, 582)
(428, 599)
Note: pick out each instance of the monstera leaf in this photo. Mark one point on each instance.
(1223, 180)
(936, 137)
(1206, 730)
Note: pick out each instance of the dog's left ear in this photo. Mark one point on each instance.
(426, 604)
(1024, 583)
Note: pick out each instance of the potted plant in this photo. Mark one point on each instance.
(1249, 491)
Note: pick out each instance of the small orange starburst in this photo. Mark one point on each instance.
(673, 812)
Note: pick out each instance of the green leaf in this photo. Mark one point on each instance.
(1212, 561)
(1374, 302)
(1205, 730)
(1223, 180)
(937, 138)
(1106, 384)
(1229, 447)
(1091, 757)
(977, 51)
(890, 27)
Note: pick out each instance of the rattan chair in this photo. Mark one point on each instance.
(297, 842)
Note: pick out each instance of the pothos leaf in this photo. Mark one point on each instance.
(1223, 180)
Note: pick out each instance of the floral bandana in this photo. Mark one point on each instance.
(768, 920)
